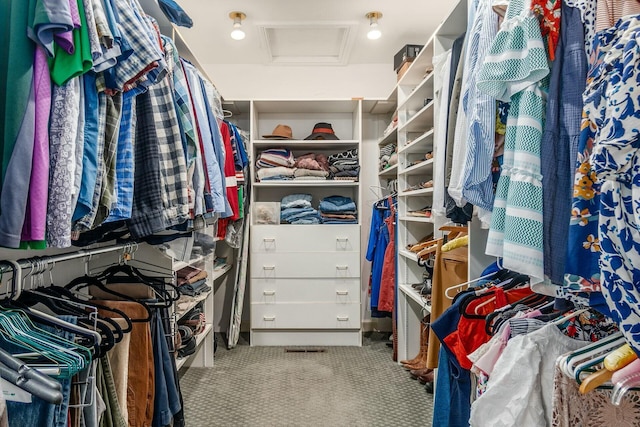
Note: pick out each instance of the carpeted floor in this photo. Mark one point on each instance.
(267, 386)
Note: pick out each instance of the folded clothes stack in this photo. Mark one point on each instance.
(275, 164)
(192, 281)
(338, 210)
(386, 154)
(345, 165)
(297, 209)
(311, 166)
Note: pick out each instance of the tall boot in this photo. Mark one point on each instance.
(422, 343)
(424, 350)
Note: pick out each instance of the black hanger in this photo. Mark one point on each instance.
(85, 281)
(126, 273)
(110, 330)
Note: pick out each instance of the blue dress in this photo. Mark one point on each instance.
(378, 241)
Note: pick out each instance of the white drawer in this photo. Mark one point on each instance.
(274, 291)
(305, 316)
(305, 238)
(312, 265)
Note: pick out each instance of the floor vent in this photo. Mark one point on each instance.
(305, 350)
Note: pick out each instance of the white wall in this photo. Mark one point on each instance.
(241, 82)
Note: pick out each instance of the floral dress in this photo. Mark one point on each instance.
(612, 103)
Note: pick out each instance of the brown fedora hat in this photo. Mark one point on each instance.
(280, 132)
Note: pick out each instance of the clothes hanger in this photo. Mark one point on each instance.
(461, 285)
(590, 351)
(507, 286)
(68, 358)
(623, 386)
(85, 281)
(108, 329)
(123, 272)
(16, 285)
(429, 247)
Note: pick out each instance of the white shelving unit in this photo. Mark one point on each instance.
(416, 127)
(305, 279)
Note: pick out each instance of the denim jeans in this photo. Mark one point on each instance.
(167, 398)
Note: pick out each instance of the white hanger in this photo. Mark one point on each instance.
(446, 292)
(575, 359)
(585, 353)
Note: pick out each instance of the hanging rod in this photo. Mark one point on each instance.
(18, 265)
(83, 253)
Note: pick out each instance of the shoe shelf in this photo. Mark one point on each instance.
(420, 121)
(416, 192)
(412, 218)
(203, 337)
(416, 99)
(422, 168)
(422, 144)
(417, 108)
(414, 295)
(408, 255)
(389, 172)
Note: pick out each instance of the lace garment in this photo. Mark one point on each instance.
(594, 409)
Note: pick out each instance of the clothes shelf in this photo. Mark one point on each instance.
(305, 278)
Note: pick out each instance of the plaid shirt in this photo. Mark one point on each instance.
(160, 198)
(172, 160)
(143, 53)
(146, 213)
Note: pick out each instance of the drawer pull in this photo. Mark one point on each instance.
(269, 239)
(269, 318)
(269, 293)
(342, 292)
(343, 318)
(342, 239)
(268, 267)
(342, 267)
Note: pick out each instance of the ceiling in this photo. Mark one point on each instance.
(306, 32)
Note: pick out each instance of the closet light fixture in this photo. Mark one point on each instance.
(237, 33)
(374, 32)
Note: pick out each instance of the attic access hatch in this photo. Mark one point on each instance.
(327, 43)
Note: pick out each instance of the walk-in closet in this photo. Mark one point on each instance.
(285, 213)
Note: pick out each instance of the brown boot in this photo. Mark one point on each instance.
(421, 361)
(423, 341)
(416, 373)
(426, 378)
